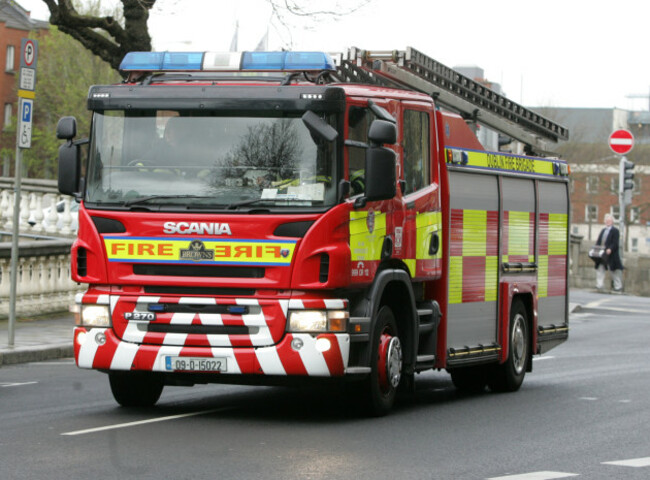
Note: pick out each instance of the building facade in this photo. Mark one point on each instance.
(595, 171)
(15, 25)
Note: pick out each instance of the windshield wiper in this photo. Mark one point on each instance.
(155, 197)
(249, 201)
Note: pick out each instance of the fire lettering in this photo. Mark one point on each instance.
(141, 249)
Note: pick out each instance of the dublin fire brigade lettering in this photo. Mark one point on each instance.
(200, 228)
(504, 162)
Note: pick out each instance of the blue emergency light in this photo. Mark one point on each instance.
(226, 62)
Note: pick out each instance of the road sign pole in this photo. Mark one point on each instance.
(27, 85)
(14, 238)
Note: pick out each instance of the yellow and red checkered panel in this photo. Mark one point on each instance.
(473, 252)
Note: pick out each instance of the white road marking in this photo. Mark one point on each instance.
(144, 422)
(537, 359)
(634, 462)
(536, 476)
(589, 399)
(4, 384)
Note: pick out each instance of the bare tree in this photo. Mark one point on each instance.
(110, 38)
(105, 36)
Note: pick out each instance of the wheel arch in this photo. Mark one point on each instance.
(528, 301)
(392, 288)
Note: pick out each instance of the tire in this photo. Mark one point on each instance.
(136, 389)
(509, 376)
(469, 379)
(386, 365)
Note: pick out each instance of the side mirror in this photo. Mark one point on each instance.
(382, 131)
(380, 174)
(319, 127)
(69, 168)
(66, 129)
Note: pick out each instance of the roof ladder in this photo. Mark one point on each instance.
(413, 70)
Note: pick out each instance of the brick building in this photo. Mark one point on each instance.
(15, 24)
(594, 171)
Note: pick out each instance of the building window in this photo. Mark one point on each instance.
(637, 185)
(7, 116)
(591, 213)
(9, 64)
(635, 244)
(635, 214)
(614, 187)
(615, 210)
(592, 184)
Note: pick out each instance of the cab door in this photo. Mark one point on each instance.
(420, 245)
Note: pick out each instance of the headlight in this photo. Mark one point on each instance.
(95, 316)
(318, 321)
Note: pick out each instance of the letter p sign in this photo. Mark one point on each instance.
(25, 124)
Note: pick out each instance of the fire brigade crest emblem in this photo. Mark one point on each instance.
(370, 221)
(196, 252)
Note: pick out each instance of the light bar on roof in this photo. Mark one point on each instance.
(227, 61)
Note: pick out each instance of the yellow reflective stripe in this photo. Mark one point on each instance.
(426, 224)
(518, 233)
(542, 276)
(366, 245)
(474, 233)
(500, 161)
(491, 271)
(410, 264)
(557, 233)
(456, 280)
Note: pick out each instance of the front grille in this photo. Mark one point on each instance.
(205, 291)
(203, 329)
(198, 271)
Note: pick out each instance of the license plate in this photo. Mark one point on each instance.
(195, 364)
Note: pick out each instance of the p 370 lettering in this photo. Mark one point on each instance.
(140, 316)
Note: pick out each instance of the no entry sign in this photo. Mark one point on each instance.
(621, 141)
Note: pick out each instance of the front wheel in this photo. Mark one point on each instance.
(386, 364)
(509, 376)
(136, 389)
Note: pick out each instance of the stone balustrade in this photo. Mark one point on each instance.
(43, 283)
(36, 213)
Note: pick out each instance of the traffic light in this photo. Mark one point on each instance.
(625, 178)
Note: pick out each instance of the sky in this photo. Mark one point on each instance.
(550, 53)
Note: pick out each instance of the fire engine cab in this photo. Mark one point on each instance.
(292, 217)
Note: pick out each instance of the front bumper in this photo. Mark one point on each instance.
(101, 349)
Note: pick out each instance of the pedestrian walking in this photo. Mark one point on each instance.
(609, 238)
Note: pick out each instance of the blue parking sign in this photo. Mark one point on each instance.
(25, 123)
(27, 112)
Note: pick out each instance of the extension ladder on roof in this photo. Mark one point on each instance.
(413, 70)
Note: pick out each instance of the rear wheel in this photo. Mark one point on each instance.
(136, 389)
(386, 364)
(509, 376)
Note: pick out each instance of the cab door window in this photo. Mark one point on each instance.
(416, 150)
(359, 120)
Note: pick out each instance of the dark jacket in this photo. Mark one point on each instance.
(614, 260)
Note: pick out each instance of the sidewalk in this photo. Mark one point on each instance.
(37, 339)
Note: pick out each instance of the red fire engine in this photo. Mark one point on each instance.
(282, 217)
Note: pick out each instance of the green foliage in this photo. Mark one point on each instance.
(66, 69)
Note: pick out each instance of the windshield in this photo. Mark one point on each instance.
(191, 159)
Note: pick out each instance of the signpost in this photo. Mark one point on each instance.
(621, 142)
(26, 95)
